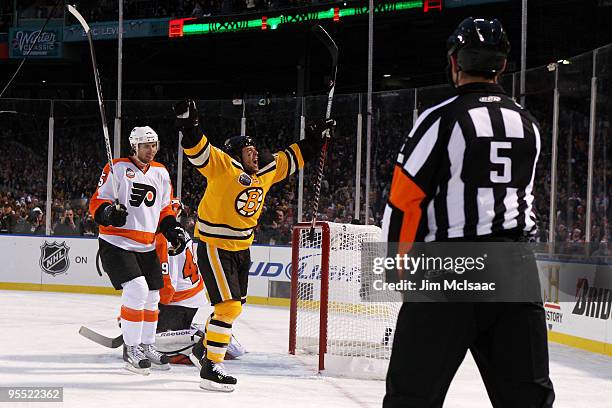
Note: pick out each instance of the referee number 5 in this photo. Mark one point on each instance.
(505, 175)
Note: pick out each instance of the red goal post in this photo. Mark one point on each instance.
(334, 313)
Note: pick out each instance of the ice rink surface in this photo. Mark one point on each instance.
(40, 346)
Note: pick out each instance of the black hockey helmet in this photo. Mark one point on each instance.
(234, 145)
(481, 46)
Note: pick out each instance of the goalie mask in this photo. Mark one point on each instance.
(142, 134)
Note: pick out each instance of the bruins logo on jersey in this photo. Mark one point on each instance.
(249, 201)
(142, 192)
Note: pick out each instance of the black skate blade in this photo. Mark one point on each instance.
(136, 370)
(214, 386)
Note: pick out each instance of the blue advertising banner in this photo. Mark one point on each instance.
(49, 44)
(108, 30)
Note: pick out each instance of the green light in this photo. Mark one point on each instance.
(325, 14)
(254, 23)
(275, 22)
(406, 5)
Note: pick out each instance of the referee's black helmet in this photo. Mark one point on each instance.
(480, 46)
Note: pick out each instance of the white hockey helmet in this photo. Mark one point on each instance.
(143, 134)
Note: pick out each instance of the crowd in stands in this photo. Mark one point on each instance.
(107, 10)
(79, 156)
(5, 17)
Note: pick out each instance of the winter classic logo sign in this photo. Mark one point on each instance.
(54, 258)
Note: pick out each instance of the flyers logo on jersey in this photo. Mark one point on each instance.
(249, 201)
(142, 193)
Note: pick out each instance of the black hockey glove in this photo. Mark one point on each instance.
(186, 114)
(175, 234)
(316, 134)
(178, 238)
(109, 215)
(187, 122)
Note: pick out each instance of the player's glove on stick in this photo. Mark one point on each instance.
(317, 133)
(109, 215)
(187, 122)
(175, 234)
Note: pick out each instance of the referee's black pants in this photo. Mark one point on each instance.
(507, 340)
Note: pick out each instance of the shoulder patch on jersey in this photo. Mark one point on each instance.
(129, 173)
(489, 99)
(249, 201)
(245, 180)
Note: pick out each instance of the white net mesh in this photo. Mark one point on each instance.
(361, 321)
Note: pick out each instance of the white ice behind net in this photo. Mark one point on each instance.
(361, 321)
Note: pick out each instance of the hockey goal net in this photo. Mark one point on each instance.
(335, 312)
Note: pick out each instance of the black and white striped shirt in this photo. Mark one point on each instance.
(466, 169)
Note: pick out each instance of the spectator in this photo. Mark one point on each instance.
(88, 227)
(37, 222)
(66, 227)
(8, 220)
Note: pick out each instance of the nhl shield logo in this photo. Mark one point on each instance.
(54, 258)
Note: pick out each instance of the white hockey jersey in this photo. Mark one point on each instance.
(146, 194)
(183, 284)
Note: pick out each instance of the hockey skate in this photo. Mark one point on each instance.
(215, 378)
(135, 360)
(197, 352)
(159, 361)
(234, 350)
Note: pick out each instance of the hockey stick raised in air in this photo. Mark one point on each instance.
(109, 154)
(101, 339)
(331, 46)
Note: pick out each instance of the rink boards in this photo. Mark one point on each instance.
(69, 265)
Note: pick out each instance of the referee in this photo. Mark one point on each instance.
(465, 173)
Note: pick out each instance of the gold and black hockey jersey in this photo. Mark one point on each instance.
(232, 203)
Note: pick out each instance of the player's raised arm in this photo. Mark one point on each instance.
(197, 148)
